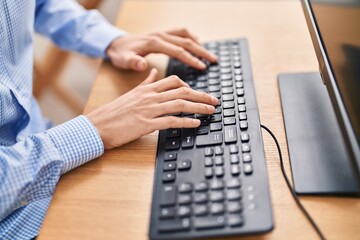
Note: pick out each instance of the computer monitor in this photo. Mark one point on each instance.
(322, 121)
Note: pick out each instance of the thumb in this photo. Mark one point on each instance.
(151, 77)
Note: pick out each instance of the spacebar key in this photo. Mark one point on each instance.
(211, 139)
(174, 225)
(209, 222)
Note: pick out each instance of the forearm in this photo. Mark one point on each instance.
(72, 27)
(31, 168)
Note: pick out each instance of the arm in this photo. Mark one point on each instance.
(30, 169)
(72, 27)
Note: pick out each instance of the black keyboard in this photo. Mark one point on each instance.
(212, 181)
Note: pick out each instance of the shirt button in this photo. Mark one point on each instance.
(19, 138)
(23, 203)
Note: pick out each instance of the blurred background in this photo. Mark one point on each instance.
(63, 80)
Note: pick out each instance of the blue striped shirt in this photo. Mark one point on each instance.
(32, 154)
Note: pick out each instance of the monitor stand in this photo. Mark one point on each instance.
(320, 163)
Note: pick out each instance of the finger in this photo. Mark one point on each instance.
(190, 46)
(183, 32)
(174, 122)
(187, 94)
(180, 105)
(130, 60)
(168, 83)
(157, 45)
(152, 77)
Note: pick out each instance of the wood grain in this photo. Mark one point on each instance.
(109, 198)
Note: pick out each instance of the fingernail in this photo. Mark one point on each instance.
(210, 108)
(201, 64)
(214, 100)
(140, 65)
(214, 57)
(196, 121)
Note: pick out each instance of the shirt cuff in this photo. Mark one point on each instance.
(99, 36)
(78, 142)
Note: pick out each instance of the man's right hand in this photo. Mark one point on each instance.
(145, 108)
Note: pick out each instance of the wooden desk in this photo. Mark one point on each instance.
(110, 198)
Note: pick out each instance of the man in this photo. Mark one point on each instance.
(32, 155)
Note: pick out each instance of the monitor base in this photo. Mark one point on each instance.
(320, 163)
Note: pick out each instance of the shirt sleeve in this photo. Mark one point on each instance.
(72, 27)
(30, 169)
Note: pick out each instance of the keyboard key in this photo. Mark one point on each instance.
(202, 130)
(227, 90)
(167, 213)
(225, 70)
(214, 88)
(241, 100)
(217, 184)
(209, 222)
(216, 118)
(184, 165)
(215, 138)
(219, 150)
(233, 194)
(213, 75)
(239, 78)
(167, 195)
(242, 108)
(219, 171)
(240, 92)
(200, 210)
(214, 82)
(174, 225)
(185, 187)
(239, 85)
(235, 170)
(226, 83)
(234, 183)
(247, 157)
(215, 126)
(245, 147)
(217, 208)
(235, 220)
(234, 148)
(219, 160)
(201, 186)
(228, 105)
(209, 162)
(173, 133)
(170, 156)
(224, 64)
(225, 77)
(217, 110)
(209, 172)
(242, 116)
(234, 159)
(237, 64)
(230, 134)
(172, 144)
(238, 71)
(217, 196)
(229, 121)
(243, 125)
(184, 211)
(169, 166)
(187, 138)
(248, 169)
(234, 207)
(209, 151)
(169, 177)
(204, 121)
(216, 94)
(228, 97)
(229, 113)
(200, 197)
(244, 137)
(184, 199)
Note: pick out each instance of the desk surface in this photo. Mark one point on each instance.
(109, 198)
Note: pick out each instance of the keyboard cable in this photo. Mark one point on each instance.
(293, 193)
